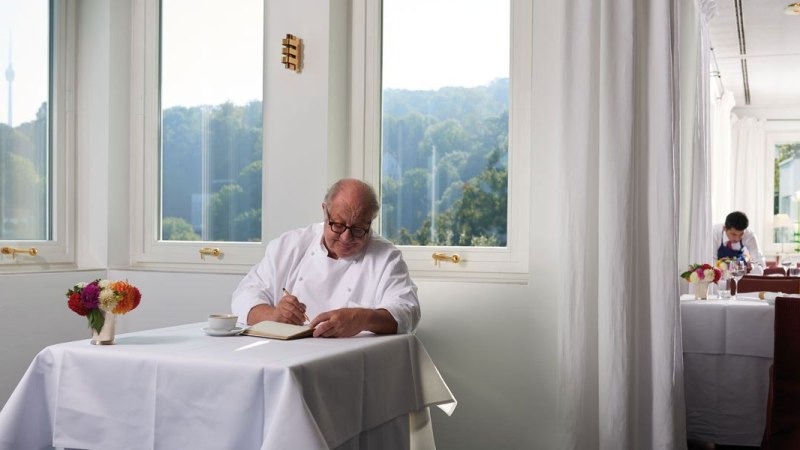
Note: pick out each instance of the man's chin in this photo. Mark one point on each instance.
(347, 252)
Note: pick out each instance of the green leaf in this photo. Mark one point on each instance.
(96, 319)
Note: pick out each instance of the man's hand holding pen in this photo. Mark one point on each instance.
(340, 322)
(290, 310)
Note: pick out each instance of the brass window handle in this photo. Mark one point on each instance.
(13, 251)
(209, 251)
(439, 257)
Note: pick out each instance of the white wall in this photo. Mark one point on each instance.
(775, 113)
(494, 343)
(34, 315)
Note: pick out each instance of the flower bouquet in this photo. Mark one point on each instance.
(99, 297)
(702, 275)
(724, 264)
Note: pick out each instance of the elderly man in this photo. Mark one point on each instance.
(338, 272)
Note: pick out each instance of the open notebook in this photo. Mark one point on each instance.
(277, 330)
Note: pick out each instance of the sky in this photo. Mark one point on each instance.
(23, 27)
(428, 44)
(225, 56)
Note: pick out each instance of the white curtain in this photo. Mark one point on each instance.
(696, 114)
(620, 360)
(721, 156)
(751, 169)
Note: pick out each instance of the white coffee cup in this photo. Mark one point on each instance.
(222, 322)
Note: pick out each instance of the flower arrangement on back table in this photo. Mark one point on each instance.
(702, 272)
(724, 264)
(92, 299)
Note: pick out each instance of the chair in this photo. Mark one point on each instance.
(774, 271)
(783, 402)
(772, 263)
(755, 283)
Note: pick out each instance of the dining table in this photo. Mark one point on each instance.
(177, 387)
(727, 353)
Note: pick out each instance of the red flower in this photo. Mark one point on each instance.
(76, 304)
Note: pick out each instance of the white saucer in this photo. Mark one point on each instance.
(233, 332)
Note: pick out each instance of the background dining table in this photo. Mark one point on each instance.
(727, 352)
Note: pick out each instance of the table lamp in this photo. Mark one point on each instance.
(781, 220)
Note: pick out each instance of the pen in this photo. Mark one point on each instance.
(304, 314)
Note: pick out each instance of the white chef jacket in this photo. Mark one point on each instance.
(298, 261)
(718, 237)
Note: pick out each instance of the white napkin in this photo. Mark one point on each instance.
(768, 296)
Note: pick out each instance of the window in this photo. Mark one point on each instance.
(444, 159)
(35, 52)
(786, 190)
(203, 132)
(211, 121)
(448, 109)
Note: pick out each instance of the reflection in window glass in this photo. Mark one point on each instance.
(24, 120)
(786, 192)
(444, 159)
(211, 120)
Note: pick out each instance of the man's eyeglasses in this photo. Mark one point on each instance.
(339, 228)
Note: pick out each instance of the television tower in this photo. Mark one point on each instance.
(10, 79)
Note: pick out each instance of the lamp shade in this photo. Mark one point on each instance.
(781, 221)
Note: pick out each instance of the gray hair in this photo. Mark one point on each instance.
(367, 196)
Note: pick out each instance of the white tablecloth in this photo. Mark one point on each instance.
(178, 388)
(727, 351)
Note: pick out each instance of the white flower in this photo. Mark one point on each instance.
(108, 299)
(81, 285)
(693, 277)
(103, 283)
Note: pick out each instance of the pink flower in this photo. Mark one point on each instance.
(700, 273)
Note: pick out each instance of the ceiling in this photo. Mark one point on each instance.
(771, 52)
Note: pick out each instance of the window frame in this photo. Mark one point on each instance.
(777, 133)
(508, 263)
(58, 252)
(147, 250)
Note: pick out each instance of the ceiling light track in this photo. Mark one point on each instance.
(742, 49)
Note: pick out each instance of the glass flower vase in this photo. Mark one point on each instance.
(700, 289)
(106, 334)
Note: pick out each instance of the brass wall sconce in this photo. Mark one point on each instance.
(292, 52)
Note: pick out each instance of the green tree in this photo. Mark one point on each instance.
(177, 229)
(479, 217)
(232, 138)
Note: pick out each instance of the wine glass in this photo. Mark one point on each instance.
(724, 289)
(786, 263)
(737, 269)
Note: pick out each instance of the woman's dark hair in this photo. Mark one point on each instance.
(737, 220)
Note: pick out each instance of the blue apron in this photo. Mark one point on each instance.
(725, 252)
